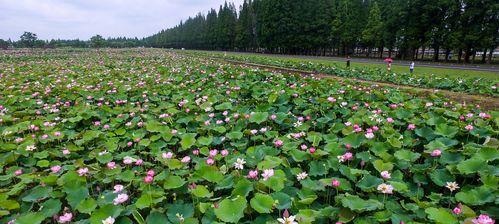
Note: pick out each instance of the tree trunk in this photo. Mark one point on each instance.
(484, 56)
(489, 59)
(422, 53)
(435, 53)
(473, 57)
(467, 54)
(459, 55)
(447, 53)
(381, 49)
(389, 52)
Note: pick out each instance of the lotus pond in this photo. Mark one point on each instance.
(151, 136)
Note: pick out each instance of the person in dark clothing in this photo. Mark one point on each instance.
(348, 61)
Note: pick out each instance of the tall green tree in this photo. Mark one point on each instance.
(4, 44)
(28, 39)
(97, 41)
(372, 33)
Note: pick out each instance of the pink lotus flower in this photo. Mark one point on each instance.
(386, 175)
(210, 161)
(484, 115)
(389, 120)
(436, 153)
(18, 172)
(469, 127)
(65, 152)
(303, 147)
(273, 117)
(55, 169)
(129, 144)
(253, 174)
(57, 133)
(278, 143)
(224, 152)
(311, 150)
(456, 210)
(167, 155)
(186, 159)
(139, 162)
(82, 171)
(411, 126)
(118, 188)
(150, 173)
(65, 218)
(483, 219)
(121, 198)
(148, 179)
(267, 174)
(128, 160)
(111, 165)
(369, 135)
(335, 183)
(195, 152)
(385, 188)
(348, 155)
(213, 152)
(331, 99)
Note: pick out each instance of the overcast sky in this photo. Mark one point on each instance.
(71, 19)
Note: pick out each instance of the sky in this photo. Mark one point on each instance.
(72, 19)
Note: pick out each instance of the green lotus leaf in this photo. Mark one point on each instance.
(440, 216)
(156, 217)
(446, 130)
(50, 207)
(172, 182)
(188, 140)
(471, 165)
(262, 203)
(406, 155)
(355, 203)
(259, 117)
(87, 206)
(31, 218)
(201, 192)
(231, 210)
(104, 212)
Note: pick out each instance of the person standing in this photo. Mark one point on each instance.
(348, 61)
(411, 66)
(388, 64)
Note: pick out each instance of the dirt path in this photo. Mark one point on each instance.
(486, 102)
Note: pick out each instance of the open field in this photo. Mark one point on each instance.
(155, 136)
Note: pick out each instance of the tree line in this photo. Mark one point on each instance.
(30, 40)
(405, 29)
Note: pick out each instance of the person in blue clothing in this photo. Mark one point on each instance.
(411, 66)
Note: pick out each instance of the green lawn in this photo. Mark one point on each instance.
(456, 73)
